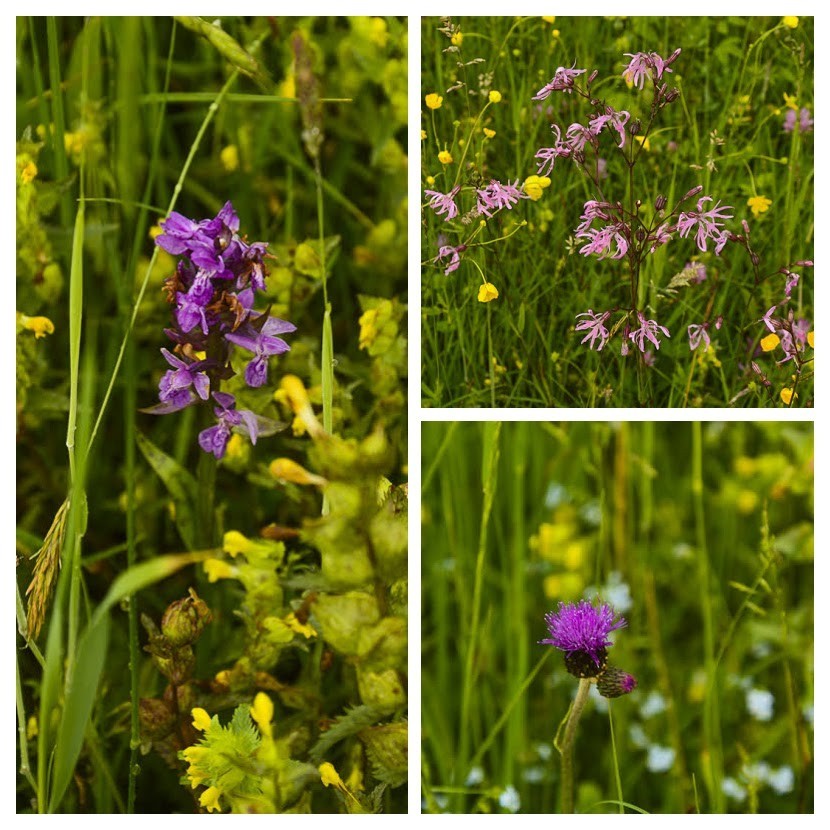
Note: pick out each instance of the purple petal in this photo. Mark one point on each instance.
(256, 372)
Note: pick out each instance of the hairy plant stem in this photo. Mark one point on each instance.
(566, 746)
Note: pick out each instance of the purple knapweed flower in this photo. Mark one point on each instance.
(595, 326)
(562, 81)
(259, 336)
(581, 630)
(444, 203)
(648, 331)
(802, 119)
(497, 196)
(698, 333)
(454, 253)
(215, 439)
(706, 223)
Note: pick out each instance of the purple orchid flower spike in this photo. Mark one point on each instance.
(184, 375)
(215, 439)
(178, 233)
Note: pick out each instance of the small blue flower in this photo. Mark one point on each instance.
(782, 780)
(732, 789)
(760, 704)
(474, 777)
(660, 758)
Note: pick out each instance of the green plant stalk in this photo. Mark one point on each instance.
(25, 769)
(711, 715)
(617, 778)
(566, 746)
(61, 162)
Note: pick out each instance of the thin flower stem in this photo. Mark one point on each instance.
(616, 762)
(566, 746)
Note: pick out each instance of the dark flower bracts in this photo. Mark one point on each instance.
(581, 631)
(213, 292)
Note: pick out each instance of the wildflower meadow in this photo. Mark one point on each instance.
(617, 617)
(617, 211)
(211, 415)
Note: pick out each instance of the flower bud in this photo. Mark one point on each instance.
(614, 682)
(592, 76)
(755, 259)
(692, 193)
(634, 127)
(745, 226)
(156, 717)
(805, 263)
(185, 619)
(660, 203)
(176, 665)
(673, 95)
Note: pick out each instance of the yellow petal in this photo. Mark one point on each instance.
(210, 799)
(201, 719)
(769, 342)
(487, 293)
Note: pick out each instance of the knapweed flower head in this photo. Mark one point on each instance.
(581, 630)
(213, 292)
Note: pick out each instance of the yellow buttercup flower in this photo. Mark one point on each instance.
(758, 205)
(430, 180)
(810, 340)
(445, 157)
(457, 38)
(487, 293)
(555, 34)
(787, 395)
(550, 19)
(423, 135)
(644, 141)
(434, 100)
(494, 96)
(488, 132)
(769, 342)
(790, 22)
(535, 185)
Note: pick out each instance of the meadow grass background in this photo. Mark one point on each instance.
(700, 534)
(115, 109)
(725, 133)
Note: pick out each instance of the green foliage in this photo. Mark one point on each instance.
(725, 132)
(701, 535)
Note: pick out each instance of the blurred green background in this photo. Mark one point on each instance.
(700, 534)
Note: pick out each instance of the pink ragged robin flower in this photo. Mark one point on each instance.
(648, 330)
(595, 326)
(707, 224)
(562, 81)
(444, 203)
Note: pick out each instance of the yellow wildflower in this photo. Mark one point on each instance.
(31, 728)
(790, 101)
(288, 86)
(298, 427)
(787, 395)
(769, 342)
(285, 469)
(300, 628)
(790, 22)
(434, 100)
(487, 292)
(378, 33)
(235, 446)
(423, 135)
(535, 185)
(488, 132)
(494, 96)
(300, 403)
(263, 712)
(644, 141)
(329, 776)
(229, 156)
(28, 172)
(445, 157)
(430, 180)
(217, 569)
(210, 799)
(368, 328)
(201, 719)
(758, 205)
(550, 19)
(747, 501)
(41, 326)
(223, 677)
(555, 34)
(457, 38)
(810, 340)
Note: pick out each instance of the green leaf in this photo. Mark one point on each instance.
(179, 483)
(354, 721)
(79, 699)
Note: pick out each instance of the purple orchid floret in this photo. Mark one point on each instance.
(707, 224)
(582, 627)
(649, 329)
(183, 375)
(261, 339)
(444, 203)
(215, 439)
(562, 81)
(595, 326)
